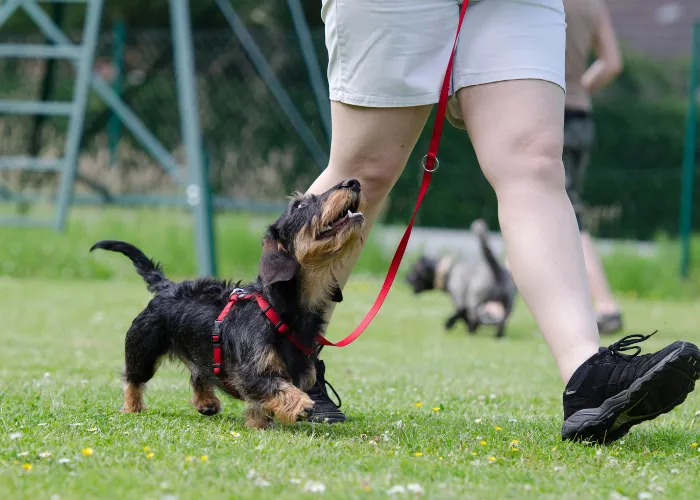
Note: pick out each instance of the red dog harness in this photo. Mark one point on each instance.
(281, 327)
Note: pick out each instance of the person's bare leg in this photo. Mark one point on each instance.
(516, 128)
(371, 145)
(600, 287)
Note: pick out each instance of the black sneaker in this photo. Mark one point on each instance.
(325, 410)
(611, 391)
(609, 323)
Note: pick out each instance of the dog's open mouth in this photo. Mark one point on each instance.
(349, 215)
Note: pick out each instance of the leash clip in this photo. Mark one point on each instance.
(238, 291)
(424, 160)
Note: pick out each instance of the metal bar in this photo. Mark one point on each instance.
(311, 59)
(198, 190)
(140, 200)
(687, 183)
(22, 220)
(40, 51)
(125, 114)
(113, 124)
(31, 163)
(80, 99)
(7, 9)
(276, 88)
(35, 107)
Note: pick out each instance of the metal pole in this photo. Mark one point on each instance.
(276, 88)
(198, 190)
(114, 124)
(80, 98)
(307, 49)
(688, 179)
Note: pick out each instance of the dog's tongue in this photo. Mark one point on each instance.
(341, 220)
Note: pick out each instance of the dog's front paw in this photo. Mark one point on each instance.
(305, 413)
(210, 408)
(290, 405)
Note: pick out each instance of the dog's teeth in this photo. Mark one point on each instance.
(327, 228)
(350, 214)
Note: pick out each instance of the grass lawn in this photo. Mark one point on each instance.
(62, 347)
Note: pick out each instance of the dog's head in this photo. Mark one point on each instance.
(422, 275)
(311, 240)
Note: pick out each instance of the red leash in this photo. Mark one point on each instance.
(430, 165)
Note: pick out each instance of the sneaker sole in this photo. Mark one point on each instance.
(661, 389)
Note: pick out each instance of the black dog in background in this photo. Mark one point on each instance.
(472, 283)
(301, 252)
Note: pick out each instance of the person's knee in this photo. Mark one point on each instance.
(534, 159)
(376, 171)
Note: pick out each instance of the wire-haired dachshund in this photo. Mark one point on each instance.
(259, 363)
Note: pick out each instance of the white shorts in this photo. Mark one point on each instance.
(393, 53)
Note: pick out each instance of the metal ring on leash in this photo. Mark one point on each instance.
(437, 164)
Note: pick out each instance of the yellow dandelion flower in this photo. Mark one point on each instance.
(150, 455)
(436, 409)
(473, 453)
(514, 449)
(497, 428)
(482, 442)
(27, 467)
(188, 458)
(694, 445)
(367, 489)
(146, 449)
(514, 442)
(418, 454)
(88, 451)
(418, 404)
(235, 434)
(492, 459)
(204, 458)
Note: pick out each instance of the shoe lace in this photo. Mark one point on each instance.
(627, 344)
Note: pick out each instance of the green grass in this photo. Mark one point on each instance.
(59, 387)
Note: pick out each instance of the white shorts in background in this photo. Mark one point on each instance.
(393, 53)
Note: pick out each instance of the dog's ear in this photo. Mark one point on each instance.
(276, 263)
(337, 293)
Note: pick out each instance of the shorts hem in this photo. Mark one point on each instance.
(382, 102)
(471, 79)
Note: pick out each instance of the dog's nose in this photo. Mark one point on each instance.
(353, 184)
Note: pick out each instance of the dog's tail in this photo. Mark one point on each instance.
(150, 271)
(480, 228)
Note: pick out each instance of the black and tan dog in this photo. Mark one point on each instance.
(301, 252)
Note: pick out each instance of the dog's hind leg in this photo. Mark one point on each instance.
(204, 398)
(500, 331)
(144, 346)
(460, 313)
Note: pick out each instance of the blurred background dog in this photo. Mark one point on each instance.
(482, 290)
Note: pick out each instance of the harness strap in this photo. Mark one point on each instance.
(430, 164)
(281, 327)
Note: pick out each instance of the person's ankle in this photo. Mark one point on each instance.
(568, 367)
